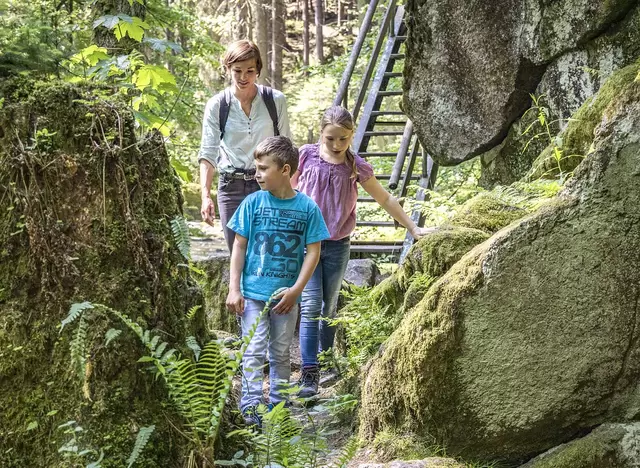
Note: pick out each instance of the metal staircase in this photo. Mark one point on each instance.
(382, 117)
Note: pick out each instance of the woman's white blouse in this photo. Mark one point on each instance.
(242, 134)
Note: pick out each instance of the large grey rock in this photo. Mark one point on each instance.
(532, 337)
(361, 272)
(469, 70)
(568, 81)
(608, 446)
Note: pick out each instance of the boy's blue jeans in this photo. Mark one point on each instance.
(320, 300)
(274, 332)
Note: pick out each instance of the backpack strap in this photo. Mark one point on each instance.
(267, 97)
(223, 115)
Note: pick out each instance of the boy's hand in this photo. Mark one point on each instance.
(235, 302)
(288, 299)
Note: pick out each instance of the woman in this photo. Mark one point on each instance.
(249, 113)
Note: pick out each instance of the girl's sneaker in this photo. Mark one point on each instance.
(251, 416)
(308, 382)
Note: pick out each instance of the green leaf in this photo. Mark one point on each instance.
(134, 29)
(108, 21)
(111, 335)
(146, 359)
(52, 412)
(183, 171)
(32, 425)
(154, 76)
(90, 55)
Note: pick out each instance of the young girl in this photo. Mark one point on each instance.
(328, 173)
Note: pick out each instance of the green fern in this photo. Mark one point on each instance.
(111, 335)
(141, 441)
(347, 453)
(180, 232)
(78, 347)
(193, 345)
(193, 311)
(75, 311)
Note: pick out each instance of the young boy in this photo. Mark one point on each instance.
(273, 227)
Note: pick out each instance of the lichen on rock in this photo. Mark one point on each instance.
(85, 211)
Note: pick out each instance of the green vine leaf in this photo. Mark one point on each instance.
(154, 76)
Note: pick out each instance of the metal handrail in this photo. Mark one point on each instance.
(401, 156)
(366, 78)
(342, 96)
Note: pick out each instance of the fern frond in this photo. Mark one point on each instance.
(141, 440)
(74, 312)
(180, 232)
(78, 347)
(347, 453)
(193, 311)
(193, 345)
(111, 335)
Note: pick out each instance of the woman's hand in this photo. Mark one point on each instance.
(288, 299)
(418, 232)
(208, 210)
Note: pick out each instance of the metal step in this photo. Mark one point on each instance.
(366, 199)
(376, 248)
(383, 133)
(396, 56)
(375, 223)
(390, 123)
(388, 176)
(390, 93)
(388, 112)
(378, 154)
(393, 75)
(400, 38)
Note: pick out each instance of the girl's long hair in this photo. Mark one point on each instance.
(341, 117)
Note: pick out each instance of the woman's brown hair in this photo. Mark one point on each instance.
(242, 50)
(341, 117)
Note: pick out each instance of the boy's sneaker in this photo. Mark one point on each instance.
(251, 417)
(308, 382)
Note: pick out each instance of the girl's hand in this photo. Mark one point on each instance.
(418, 232)
(288, 299)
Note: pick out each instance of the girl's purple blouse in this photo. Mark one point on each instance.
(332, 188)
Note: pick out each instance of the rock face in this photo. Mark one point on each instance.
(608, 446)
(85, 217)
(469, 71)
(532, 337)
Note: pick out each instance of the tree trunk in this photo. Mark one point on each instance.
(261, 20)
(319, 37)
(277, 42)
(241, 25)
(340, 13)
(104, 37)
(305, 33)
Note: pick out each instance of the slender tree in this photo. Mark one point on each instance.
(278, 40)
(305, 32)
(319, 36)
(261, 35)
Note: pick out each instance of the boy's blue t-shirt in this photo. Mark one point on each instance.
(277, 231)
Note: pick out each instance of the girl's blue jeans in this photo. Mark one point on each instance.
(275, 333)
(320, 300)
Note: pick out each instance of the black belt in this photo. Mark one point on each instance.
(240, 174)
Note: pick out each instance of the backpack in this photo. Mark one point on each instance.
(267, 97)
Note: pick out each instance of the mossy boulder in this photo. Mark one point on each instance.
(85, 211)
(488, 213)
(607, 446)
(577, 139)
(532, 337)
